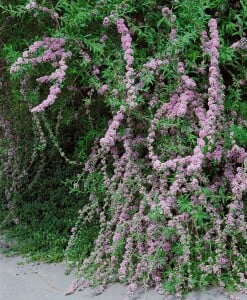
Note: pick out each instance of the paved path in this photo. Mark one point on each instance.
(20, 280)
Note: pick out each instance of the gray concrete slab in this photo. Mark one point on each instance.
(20, 280)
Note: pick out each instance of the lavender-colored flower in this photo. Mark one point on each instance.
(54, 51)
(106, 21)
(102, 89)
(103, 38)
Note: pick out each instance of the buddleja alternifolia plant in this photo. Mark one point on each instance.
(167, 180)
(163, 206)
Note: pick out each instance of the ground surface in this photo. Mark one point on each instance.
(20, 280)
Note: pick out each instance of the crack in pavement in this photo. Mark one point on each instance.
(44, 278)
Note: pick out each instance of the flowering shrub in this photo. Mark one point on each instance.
(165, 177)
(54, 49)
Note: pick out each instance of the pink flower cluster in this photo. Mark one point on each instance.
(103, 38)
(215, 91)
(32, 5)
(167, 13)
(106, 22)
(85, 55)
(102, 89)
(128, 56)
(153, 64)
(238, 178)
(241, 44)
(54, 53)
(239, 183)
(95, 70)
(111, 135)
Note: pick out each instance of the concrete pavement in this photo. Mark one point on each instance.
(20, 280)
